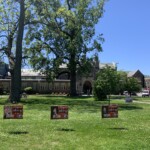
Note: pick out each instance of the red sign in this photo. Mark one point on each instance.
(13, 112)
(110, 111)
(59, 112)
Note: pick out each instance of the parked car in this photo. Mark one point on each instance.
(145, 93)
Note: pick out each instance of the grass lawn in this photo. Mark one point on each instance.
(84, 130)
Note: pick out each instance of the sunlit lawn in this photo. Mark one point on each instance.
(84, 130)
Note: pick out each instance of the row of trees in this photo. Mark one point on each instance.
(110, 81)
(55, 32)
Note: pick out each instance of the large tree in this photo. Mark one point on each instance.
(11, 33)
(64, 32)
(16, 72)
(8, 29)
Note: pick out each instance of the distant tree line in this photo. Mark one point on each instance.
(110, 81)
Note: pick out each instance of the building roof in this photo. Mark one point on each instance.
(132, 73)
(103, 65)
(30, 72)
(63, 66)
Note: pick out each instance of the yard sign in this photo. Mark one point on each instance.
(13, 112)
(59, 112)
(110, 111)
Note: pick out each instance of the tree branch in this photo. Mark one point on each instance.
(3, 49)
(69, 7)
(3, 36)
(34, 22)
(2, 54)
(52, 49)
(25, 57)
(60, 29)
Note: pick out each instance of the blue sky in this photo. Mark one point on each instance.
(126, 30)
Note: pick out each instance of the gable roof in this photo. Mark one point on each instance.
(132, 73)
(30, 72)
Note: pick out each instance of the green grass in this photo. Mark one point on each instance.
(84, 130)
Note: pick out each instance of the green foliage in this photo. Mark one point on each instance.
(64, 32)
(12, 16)
(9, 16)
(28, 90)
(85, 67)
(109, 81)
(122, 82)
(106, 83)
(9, 23)
(99, 91)
(132, 85)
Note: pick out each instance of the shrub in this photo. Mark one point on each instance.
(99, 93)
(106, 83)
(28, 90)
(1, 91)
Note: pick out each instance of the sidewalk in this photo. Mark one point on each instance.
(142, 102)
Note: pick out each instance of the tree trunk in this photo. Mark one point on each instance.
(73, 84)
(72, 68)
(16, 73)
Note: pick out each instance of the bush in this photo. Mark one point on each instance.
(106, 83)
(1, 91)
(99, 94)
(28, 90)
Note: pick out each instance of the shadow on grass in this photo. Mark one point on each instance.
(18, 132)
(66, 130)
(67, 97)
(79, 104)
(118, 128)
(3, 100)
(129, 107)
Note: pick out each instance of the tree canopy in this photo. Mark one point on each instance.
(132, 85)
(110, 81)
(61, 31)
(64, 32)
(12, 14)
(106, 83)
(9, 18)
